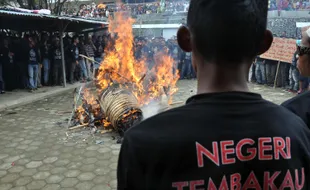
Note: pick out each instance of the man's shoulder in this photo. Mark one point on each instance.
(174, 118)
(299, 105)
(159, 121)
(297, 100)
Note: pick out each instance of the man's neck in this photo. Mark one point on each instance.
(212, 79)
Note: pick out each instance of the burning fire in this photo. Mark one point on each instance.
(120, 66)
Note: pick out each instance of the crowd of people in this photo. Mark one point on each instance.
(148, 48)
(38, 62)
(263, 72)
(104, 10)
(289, 5)
(34, 60)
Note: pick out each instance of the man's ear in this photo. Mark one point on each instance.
(184, 39)
(266, 43)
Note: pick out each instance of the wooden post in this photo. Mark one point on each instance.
(277, 73)
(61, 32)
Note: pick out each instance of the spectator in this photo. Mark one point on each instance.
(74, 59)
(186, 72)
(100, 45)
(5, 61)
(90, 50)
(260, 71)
(55, 56)
(44, 49)
(9, 74)
(294, 74)
(33, 65)
(83, 70)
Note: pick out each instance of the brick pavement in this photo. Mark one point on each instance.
(36, 153)
(22, 97)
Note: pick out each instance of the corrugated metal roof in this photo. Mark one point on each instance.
(71, 19)
(7, 12)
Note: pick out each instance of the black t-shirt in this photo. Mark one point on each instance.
(56, 54)
(258, 59)
(74, 52)
(5, 57)
(44, 51)
(217, 141)
(188, 56)
(99, 49)
(33, 56)
(300, 105)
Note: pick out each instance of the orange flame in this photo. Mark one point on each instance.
(120, 66)
(88, 98)
(106, 123)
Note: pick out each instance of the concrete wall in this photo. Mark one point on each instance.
(277, 21)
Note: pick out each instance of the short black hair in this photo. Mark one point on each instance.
(227, 31)
(76, 37)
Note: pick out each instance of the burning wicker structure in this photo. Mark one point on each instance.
(120, 107)
(115, 108)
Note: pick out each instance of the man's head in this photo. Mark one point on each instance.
(5, 42)
(31, 42)
(44, 37)
(100, 38)
(225, 32)
(57, 42)
(76, 39)
(303, 51)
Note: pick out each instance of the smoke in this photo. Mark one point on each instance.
(154, 107)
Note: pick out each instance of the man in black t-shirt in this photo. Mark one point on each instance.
(74, 55)
(56, 58)
(33, 65)
(260, 70)
(225, 137)
(300, 105)
(294, 74)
